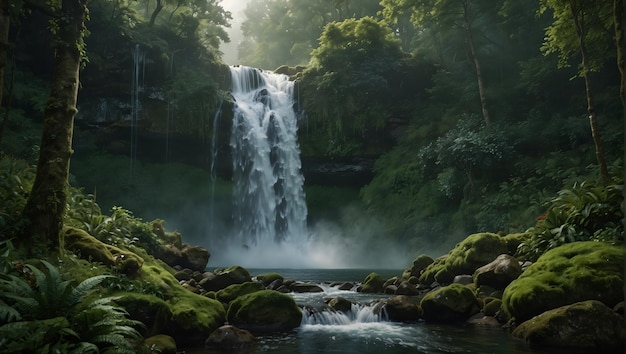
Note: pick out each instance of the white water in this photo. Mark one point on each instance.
(269, 201)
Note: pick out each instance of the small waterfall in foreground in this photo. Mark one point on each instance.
(359, 313)
(269, 201)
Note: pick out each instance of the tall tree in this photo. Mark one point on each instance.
(46, 203)
(583, 27)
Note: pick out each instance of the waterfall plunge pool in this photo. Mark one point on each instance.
(361, 331)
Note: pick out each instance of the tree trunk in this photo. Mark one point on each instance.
(479, 75)
(579, 21)
(620, 36)
(155, 13)
(4, 48)
(46, 203)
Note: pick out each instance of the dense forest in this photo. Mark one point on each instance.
(466, 115)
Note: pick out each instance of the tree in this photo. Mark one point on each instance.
(46, 203)
(582, 26)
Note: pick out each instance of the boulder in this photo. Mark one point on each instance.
(340, 304)
(419, 264)
(474, 251)
(195, 257)
(402, 309)
(587, 325)
(499, 273)
(306, 288)
(406, 288)
(89, 247)
(230, 338)
(221, 278)
(232, 292)
(373, 283)
(170, 254)
(567, 274)
(264, 311)
(449, 304)
(492, 306)
(153, 312)
(346, 286)
(161, 343)
(267, 278)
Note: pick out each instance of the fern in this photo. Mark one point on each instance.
(8, 313)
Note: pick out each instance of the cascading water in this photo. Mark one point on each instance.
(269, 201)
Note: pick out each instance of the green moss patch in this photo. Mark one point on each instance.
(264, 311)
(567, 274)
(232, 292)
(473, 252)
(451, 303)
(373, 283)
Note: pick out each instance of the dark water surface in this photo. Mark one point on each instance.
(363, 333)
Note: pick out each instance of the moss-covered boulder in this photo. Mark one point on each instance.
(161, 343)
(268, 278)
(499, 273)
(230, 338)
(449, 304)
(264, 311)
(339, 304)
(373, 283)
(234, 291)
(221, 278)
(491, 306)
(587, 325)
(473, 252)
(89, 247)
(195, 257)
(419, 264)
(567, 274)
(150, 310)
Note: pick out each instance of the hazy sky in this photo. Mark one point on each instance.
(236, 7)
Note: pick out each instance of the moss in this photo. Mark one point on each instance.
(89, 247)
(153, 312)
(567, 274)
(451, 303)
(267, 278)
(373, 283)
(491, 306)
(232, 292)
(265, 310)
(161, 344)
(474, 251)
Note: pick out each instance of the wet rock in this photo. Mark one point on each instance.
(449, 304)
(406, 288)
(463, 279)
(195, 257)
(230, 338)
(264, 311)
(306, 288)
(373, 283)
(583, 325)
(499, 273)
(346, 286)
(161, 343)
(222, 278)
(340, 304)
(402, 309)
(484, 321)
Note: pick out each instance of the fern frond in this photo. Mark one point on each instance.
(81, 290)
(85, 348)
(8, 313)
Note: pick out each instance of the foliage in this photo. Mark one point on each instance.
(41, 311)
(585, 211)
(16, 180)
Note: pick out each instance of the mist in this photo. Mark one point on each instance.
(236, 7)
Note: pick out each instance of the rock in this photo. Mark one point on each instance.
(170, 254)
(492, 306)
(419, 264)
(373, 283)
(567, 274)
(340, 304)
(232, 292)
(264, 311)
(499, 273)
(222, 278)
(463, 279)
(182, 275)
(391, 281)
(406, 288)
(267, 278)
(474, 251)
(275, 285)
(195, 257)
(390, 289)
(306, 288)
(583, 325)
(230, 338)
(168, 238)
(484, 321)
(161, 343)
(402, 309)
(89, 247)
(346, 286)
(153, 312)
(452, 303)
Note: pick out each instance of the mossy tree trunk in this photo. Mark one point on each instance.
(44, 209)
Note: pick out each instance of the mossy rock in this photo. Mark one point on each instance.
(267, 278)
(474, 251)
(161, 343)
(449, 304)
(589, 325)
(373, 283)
(264, 311)
(491, 306)
(514, 240)
(419, 264)
(232, 292)
(89, 247)
(150, 310)
(570, 273)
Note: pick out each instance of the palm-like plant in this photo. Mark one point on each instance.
(40, 312)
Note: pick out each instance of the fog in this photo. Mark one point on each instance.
(236, 8)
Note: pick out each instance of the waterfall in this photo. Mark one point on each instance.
(268, 195)
(135, 104)
(359, 313)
